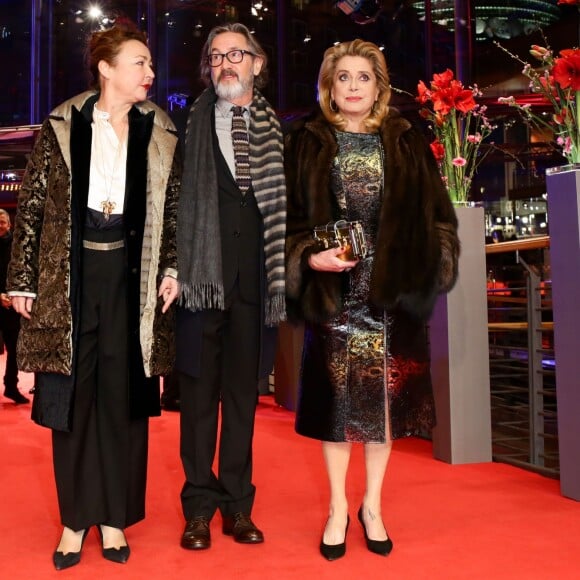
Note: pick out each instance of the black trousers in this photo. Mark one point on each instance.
(10, 328)
(230, 351)
(101, 465)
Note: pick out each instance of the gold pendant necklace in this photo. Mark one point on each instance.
(108, 205)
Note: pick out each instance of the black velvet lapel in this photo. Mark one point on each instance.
(80, 151)
(143, 392)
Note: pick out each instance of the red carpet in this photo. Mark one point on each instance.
(447, 522)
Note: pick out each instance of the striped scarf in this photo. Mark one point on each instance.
(199, 255)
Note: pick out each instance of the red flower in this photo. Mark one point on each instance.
(561, 117)
(557, 83)
(548, 85)
(566, 69)
(570, 2)
(438, 150)
(453, 97)
(539, 52)
(423, 92)
(442, 80)
(459, 125)
(439, 119)
(446, 94)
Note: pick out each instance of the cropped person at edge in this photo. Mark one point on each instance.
(9, 319)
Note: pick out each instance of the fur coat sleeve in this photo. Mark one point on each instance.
(417, 247)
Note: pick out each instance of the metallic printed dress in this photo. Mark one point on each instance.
(344, 359)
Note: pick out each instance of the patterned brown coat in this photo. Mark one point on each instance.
(48, 230)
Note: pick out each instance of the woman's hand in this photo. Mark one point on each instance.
(169, 291)
(22, 305)
(329, 261)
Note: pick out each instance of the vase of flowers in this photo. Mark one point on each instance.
(458, 326)
(460, 127)
(557, 80)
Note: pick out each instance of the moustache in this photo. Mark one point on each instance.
(228, 72)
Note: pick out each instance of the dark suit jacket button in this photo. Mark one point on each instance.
(243, 203)
(133, 270)
(132, 233)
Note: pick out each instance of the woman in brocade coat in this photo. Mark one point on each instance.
(93, 273)
(365, 371)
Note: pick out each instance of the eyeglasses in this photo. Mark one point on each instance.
(234, 56)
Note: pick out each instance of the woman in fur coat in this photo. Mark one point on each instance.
(93, 273)
(365, 371)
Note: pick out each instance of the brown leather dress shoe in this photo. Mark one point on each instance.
(196, 535)
(242, 528)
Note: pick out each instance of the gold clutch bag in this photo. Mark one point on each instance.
(349, 235)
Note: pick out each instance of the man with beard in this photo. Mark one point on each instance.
(231, 228)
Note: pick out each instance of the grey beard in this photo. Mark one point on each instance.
(233, 91)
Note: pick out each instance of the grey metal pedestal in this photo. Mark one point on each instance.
(460, 353)
(564, 222)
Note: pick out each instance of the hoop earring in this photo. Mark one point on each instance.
(333, 107)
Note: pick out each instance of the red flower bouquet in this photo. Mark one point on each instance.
(557, 80)
(460, 126)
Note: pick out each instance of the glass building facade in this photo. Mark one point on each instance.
(42, 50)
(42, 42)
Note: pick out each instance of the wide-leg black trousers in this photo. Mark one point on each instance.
(101, 465)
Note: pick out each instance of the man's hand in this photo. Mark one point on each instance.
(169, 291)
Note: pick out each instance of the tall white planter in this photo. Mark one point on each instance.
(460, 353)
(563, 184)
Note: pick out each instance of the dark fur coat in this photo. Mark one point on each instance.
(415, 258)
(417, 247)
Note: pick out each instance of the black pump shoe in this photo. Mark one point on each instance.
(117, 555)
(335, 551)
(17, 397)
(62, 561)
(381, 547)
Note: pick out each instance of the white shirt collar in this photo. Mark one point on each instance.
(225, 108)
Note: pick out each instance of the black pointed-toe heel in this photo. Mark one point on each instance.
(381, 547)
(117, 555)
(336, 551)
(62, 561)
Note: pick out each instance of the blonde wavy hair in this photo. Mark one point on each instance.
(327, 72)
